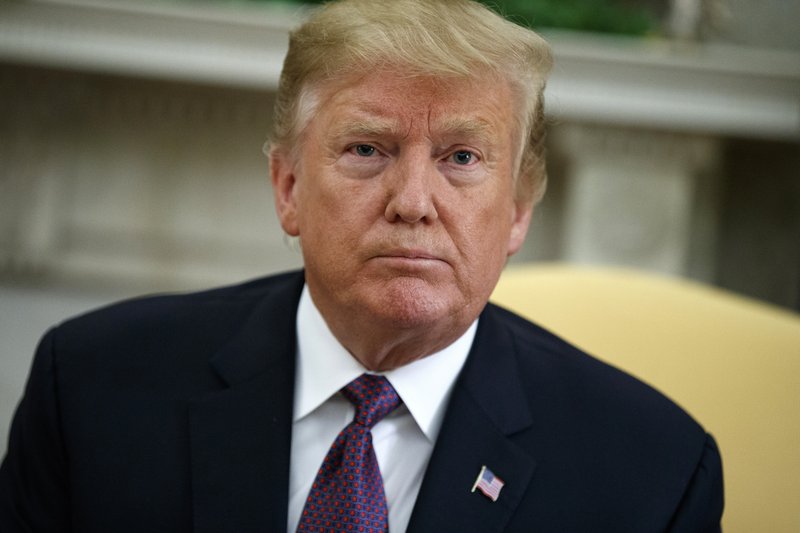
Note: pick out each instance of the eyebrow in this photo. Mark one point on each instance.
(366, 128)
(472, 128)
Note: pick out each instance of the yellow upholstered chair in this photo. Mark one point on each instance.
(731, 362)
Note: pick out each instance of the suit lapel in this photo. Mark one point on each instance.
(487, 406)
(240, 435)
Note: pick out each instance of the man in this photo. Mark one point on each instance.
(377, 389)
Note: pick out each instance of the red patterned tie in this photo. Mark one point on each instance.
(347, 494)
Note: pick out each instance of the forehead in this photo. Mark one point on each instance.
(388, 101)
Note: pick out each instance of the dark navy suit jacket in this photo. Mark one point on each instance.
(174, 414)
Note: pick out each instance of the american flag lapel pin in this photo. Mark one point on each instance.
(488, 484)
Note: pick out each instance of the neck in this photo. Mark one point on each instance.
(383, 347)
(395, 332)
(383, 351)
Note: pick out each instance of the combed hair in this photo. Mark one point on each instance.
(443, 38)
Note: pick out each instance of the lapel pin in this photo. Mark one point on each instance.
(488, 484)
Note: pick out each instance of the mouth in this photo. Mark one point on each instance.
(410, 257)
(410, 254)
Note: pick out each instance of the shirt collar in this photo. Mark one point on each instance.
(324, 366)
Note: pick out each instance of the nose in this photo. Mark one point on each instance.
(410, 190)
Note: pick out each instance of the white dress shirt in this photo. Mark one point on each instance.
(403, 441)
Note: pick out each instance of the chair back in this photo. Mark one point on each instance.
(731, 362)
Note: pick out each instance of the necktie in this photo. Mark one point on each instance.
(347, 494)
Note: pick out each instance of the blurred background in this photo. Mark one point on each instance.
(131, 138)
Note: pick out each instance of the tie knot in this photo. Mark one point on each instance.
(373, 397)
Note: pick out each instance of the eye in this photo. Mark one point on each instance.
(364, 150)
(462, 157)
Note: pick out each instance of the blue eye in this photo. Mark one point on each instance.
(364, 150)
(462, 157)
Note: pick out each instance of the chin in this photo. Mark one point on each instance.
(412, 303)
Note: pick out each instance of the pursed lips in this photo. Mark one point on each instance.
(412, 256)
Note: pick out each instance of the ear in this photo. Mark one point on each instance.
(281, 168)
(519, 225)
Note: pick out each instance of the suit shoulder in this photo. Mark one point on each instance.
(151, 320)
(155, 306)
(603, 390)
(593, 425)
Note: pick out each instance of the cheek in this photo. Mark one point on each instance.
(484, 228)
(336, 212)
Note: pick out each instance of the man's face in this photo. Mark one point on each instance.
(403, 197)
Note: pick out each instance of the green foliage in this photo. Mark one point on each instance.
(606, 16)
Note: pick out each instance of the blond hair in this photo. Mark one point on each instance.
(448, 38)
